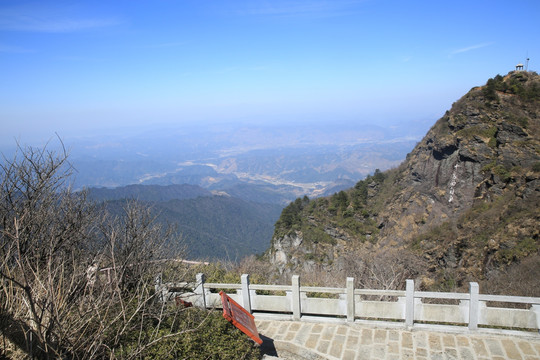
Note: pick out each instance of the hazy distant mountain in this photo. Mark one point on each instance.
(202, 175)
(261, 192)
(282, 160)
(257, 170)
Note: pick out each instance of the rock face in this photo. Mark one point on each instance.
(465, 201)
(286, 245)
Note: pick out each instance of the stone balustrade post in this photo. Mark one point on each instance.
(536, 309)
(199, 290)
(409, 303)
(474, 313)
(350, 299)
(246, 300)
(158, 286)
(295, 298)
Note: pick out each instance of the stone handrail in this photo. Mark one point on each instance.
(468, 311)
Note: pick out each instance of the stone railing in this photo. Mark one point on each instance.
(409, 307)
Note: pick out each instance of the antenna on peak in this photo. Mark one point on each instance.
(527, 62)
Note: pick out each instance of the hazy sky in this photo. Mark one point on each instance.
(73, 67)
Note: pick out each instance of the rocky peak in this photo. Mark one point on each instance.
(459, 190)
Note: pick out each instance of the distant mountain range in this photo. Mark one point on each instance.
(265, 163)
(225, 185)
(226, 206)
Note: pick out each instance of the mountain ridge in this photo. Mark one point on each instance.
(462, 206)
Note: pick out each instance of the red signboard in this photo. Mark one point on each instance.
(239, 317)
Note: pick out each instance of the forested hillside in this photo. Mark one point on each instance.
(210, 226)
(221, 227)
(148, 192)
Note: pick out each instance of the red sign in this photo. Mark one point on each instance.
(239, 317)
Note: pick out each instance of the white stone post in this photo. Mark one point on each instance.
(409, 303)
(246, 301)
(350, 299)
(474, 314)
(295, 306)
(199, 290)
(158, 286)
(536, 309)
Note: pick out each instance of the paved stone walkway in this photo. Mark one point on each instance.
(354, 341)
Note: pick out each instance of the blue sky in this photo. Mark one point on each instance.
(76, 67)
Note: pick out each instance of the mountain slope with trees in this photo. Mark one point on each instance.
(211, 226)
(148, 192)
(221, 227)
(464, 205)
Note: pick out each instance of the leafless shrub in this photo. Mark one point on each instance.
(383, 269)
(54, 301)
(519, 279)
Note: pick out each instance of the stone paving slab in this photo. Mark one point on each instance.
(354, 341)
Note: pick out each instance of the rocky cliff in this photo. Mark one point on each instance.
(463, 206)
